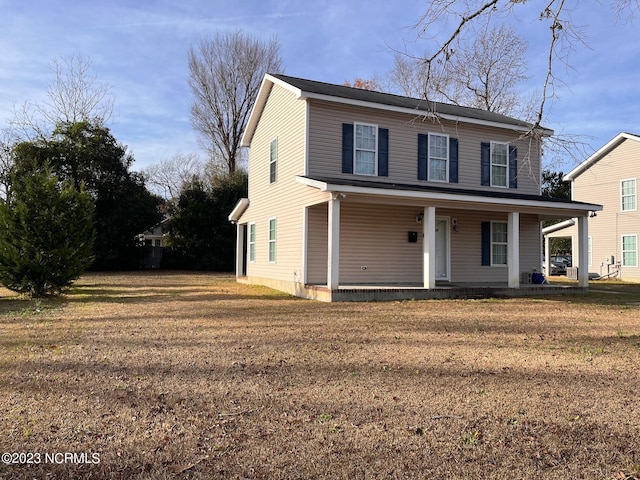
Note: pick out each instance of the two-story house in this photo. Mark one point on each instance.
(609, 177)
(354, 191)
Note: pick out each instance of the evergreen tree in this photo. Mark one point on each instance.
(46, 234)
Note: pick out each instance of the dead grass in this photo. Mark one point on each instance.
(169, 375)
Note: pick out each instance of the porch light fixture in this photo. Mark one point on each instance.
(419, 217)
(592, 214)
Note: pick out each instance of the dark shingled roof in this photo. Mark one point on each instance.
(370, 96)
(353, 182)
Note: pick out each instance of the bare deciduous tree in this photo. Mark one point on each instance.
(75, 95)
(168, 177)
(483, 73)
(225, 74)
(563, 37)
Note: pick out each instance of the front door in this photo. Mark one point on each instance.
(442, 249)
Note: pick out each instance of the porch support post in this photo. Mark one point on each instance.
(547, 256)
(239, 249)
(333, 259)
(429, 247)
(583, 253)
(513, 249)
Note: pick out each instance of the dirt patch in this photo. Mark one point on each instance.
(195, 376)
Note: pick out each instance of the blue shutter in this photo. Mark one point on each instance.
(485, 163)
(453, 160)
(422, 156)
(347, 148)
(383, 152)
(486, 243)
(513, 167)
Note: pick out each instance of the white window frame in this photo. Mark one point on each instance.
(505, 243)
(273, 240)
(590, 249)
(635, 251)
(252, 242)
(273, 161)
(429, 157)
(356, 149)
(633, 195)
(506, 166)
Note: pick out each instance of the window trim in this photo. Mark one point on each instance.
(492, 243)
(273, 240)
(491, 164)
(251, 243)
(273, 176)
(356, 149)
(635, 195)
(446, 159)
(622, 250)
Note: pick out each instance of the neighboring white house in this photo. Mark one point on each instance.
(350, 188)
(609, 177)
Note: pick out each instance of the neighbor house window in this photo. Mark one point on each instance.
(273, 161)
(498, 243)
(499, 164)
(272, 240)
(252, 242)
(366, 154)
(438, 157)
(629, 250)
(628, 195)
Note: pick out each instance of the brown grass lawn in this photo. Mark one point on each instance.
(171, 375)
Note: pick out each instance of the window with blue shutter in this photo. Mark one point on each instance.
(364, 146)
(498, 165)
(433, 164)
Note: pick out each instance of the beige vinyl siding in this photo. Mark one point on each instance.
(374, 245)
(375, 236)
(317, 244)
(325, 146)
(283, 117)
(601, 184)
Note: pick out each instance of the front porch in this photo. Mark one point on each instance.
(442, 291)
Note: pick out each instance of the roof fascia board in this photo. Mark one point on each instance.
(597, 156)
(412, 111)
(238, 210)
(558, 226)
(390, 192)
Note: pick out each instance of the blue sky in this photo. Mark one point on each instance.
(140, 49)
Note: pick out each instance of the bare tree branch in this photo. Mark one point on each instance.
(225, 74)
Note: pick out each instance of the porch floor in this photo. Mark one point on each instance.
(444, 290)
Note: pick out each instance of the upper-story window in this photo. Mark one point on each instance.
(273, 161)
(499, 164)
(438, 157)
(628, 195)
(365, 149)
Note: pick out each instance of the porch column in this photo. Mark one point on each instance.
(547, 256)
(513, 249)
(583, 253)
(333, 258)
(429, 247)
(239, 249)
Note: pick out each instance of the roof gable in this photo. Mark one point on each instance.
(600, 154)
(304, 88)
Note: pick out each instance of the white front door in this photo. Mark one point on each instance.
(442, 249)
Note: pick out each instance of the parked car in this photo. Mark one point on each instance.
(558, 267)
(565, 259)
